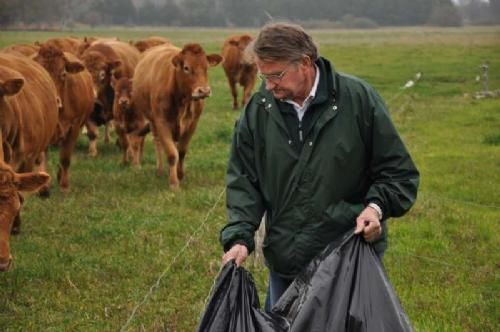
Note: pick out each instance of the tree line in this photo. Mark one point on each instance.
(248, 13)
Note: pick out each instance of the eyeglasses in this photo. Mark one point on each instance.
(274, 78)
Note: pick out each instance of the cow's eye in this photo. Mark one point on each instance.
(102, 75)
(186, 69)
(63, 75)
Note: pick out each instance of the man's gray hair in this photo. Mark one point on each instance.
(284, 42)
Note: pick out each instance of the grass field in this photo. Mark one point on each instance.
(121, 251)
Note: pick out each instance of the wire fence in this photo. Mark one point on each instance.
(155, 286)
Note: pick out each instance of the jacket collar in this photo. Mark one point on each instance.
(326, 92)
(326, 86)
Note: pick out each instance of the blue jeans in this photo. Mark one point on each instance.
(278, 285)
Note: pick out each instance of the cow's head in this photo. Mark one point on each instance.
(123, 93)
(100, 67)
(192, 70)
(11, 184)
(241, 42)
(87, 41)
(141, 45)
(58, 65)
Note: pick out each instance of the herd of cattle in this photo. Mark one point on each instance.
(49, 91)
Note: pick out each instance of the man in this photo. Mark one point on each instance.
(317, 151)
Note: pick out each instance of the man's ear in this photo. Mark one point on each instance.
(306, 60)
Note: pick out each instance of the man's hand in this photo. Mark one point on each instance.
(238, 252)
(368, 223)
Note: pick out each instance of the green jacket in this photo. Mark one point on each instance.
(313, 191)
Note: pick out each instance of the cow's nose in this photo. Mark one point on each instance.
(5, 264)
(202, 92)
(123, 101)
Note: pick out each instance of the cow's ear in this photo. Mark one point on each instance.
(73, 67)
(214, 59)
(11, 87)
(177, 61)
(31, 181)
(114, 64)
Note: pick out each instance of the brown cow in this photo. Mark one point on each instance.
(239, 67)
(170, 86)
(146, 43)
(29, 109)
(74, 87)
(11, 183)
(24, 49)
(103, 60)
(127, 121)
(89, 41)
(65, 44)
(28, 114)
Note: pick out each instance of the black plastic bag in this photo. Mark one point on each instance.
(345, 288)
(234, 305)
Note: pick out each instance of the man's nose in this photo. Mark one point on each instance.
(270, 85)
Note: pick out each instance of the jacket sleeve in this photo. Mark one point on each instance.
(243, 197)
(394, 176)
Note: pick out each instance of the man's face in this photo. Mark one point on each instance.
(284, 79)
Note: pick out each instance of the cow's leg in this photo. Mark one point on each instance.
(141, 150)
(38, 165)
(106, 132)
(92, 134)
(234, 92)
(122, 142)
(182, 147)
(247, 81)
(66, 151)
(16, 224)
(135, 148)
(247, 90)
(158, 150)
(167, 142)
(186, 136)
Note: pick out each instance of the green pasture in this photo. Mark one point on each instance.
(121, 251)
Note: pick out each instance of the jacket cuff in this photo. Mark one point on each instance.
(231, 244)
